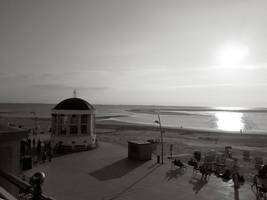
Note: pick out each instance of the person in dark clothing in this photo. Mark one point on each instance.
(255, 182)
(39, 149)
(22, 147)
(33, 143)
(50, 155)
(44, 157)
(49, 145)
(203, 172)
(29, 144)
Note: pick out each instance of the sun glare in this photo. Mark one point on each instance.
(229, 121)
(233, 56)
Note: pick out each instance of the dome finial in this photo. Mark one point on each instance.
(75, 93)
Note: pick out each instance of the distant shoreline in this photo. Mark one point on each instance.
(120, 125)
(197, 109)
(203, 120)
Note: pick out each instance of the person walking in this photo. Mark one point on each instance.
(255, 182)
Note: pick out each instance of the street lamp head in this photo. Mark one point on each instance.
(38, 178)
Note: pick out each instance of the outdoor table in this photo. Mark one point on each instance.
(262, 181)
(179, 156)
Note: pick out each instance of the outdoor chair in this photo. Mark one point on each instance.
(219, 169)
(192, 162)
(228, 151)
(226, 175)
(197, 155)
(178, 163)
(262, 172)
(258, 163)
(261, 192)
(246, 155)
(205, 172)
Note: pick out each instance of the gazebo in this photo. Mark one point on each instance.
(73, 125)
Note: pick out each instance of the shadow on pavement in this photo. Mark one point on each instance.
(152, 166)
(174, 174)
(133, 184)
(198, 184)
(116, 170)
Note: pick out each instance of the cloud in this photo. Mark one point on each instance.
(240, 85)
(67, 87)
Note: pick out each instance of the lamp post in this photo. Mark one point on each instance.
(35, 123)
(161, 136)
(37, 181)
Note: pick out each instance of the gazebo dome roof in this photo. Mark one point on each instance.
(74, 104)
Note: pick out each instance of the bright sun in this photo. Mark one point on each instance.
(233, 55)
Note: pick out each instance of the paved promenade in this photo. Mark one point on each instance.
(106, 174)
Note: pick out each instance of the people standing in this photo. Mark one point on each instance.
(29, 143)
(33, 143)
(22, 147)
(49, 151)
(39, 149)
(44, 157)
(50, 155)
(255, 182)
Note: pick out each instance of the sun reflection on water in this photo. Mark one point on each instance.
(229, 121)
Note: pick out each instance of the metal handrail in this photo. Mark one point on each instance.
(6, 195)
(22, 185)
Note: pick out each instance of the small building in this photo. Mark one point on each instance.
(10, 138)
(139, 150)
(73, 125)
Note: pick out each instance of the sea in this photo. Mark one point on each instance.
(230, 119)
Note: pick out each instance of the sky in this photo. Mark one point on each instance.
(150, 52)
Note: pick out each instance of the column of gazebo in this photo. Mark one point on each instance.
(57, 124)
(54, 124)
(92, 116)
(79, 124)
(88, 123)
(92, 125)
(68, 124)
